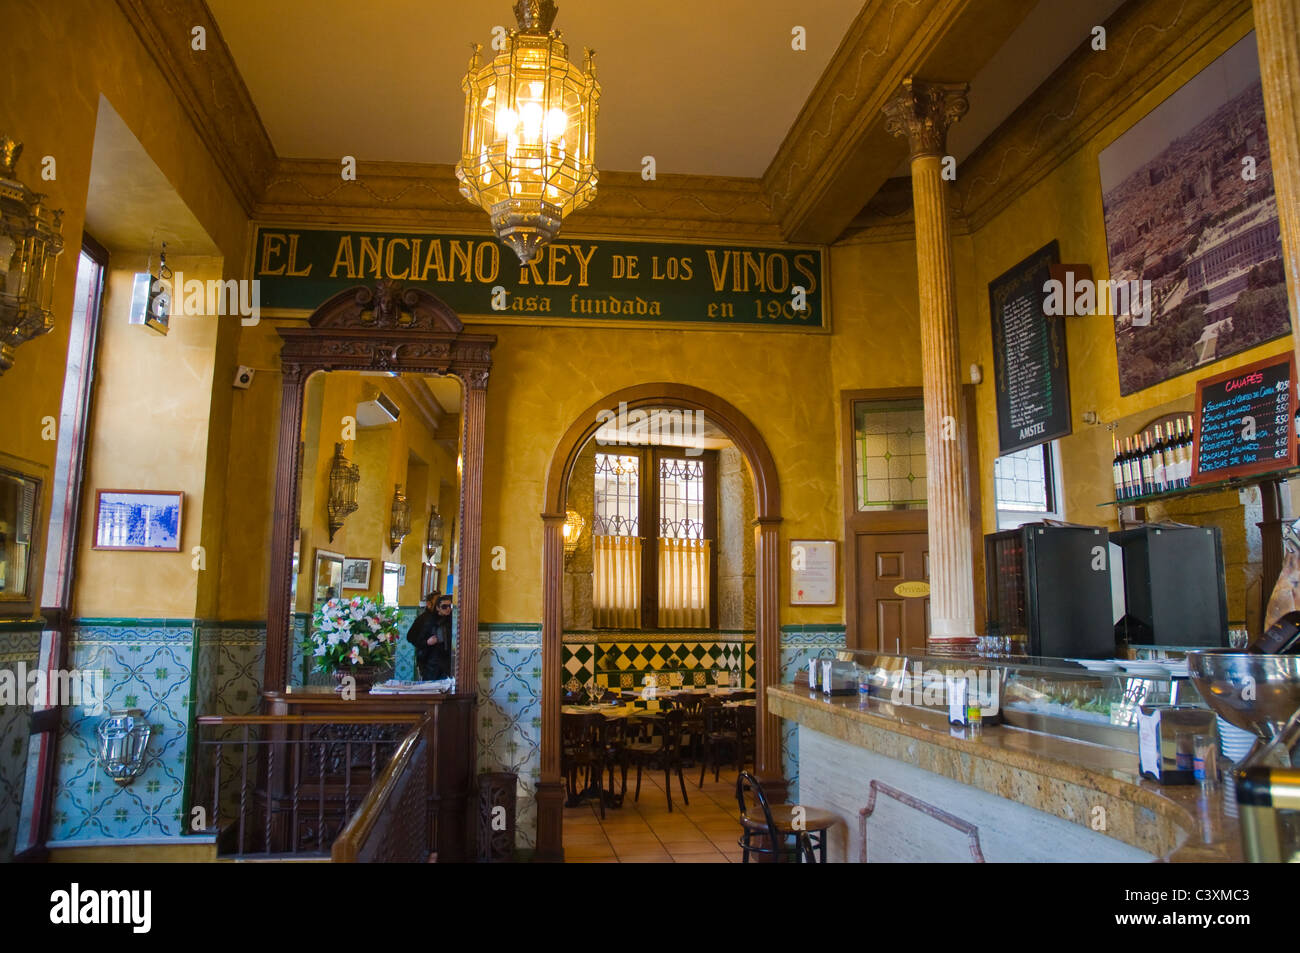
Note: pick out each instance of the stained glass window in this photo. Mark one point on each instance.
(889, 454)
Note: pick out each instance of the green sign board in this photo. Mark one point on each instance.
(571, 281)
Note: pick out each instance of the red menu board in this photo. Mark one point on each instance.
(1245, 421)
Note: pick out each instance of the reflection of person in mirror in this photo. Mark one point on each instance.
(430, 634)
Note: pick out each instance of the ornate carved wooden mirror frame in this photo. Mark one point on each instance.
(386, 327)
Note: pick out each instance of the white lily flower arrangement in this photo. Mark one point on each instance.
(356, 631)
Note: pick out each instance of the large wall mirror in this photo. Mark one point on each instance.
(381, 438)
(399, 435)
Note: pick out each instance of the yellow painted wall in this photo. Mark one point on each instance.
(1067, 206)
(148, 431)
(59, 58)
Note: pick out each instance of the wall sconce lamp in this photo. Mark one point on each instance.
(433, 538)
(574, 524)
(399, 523)
(123, 737)
(344, 478)
(30, 242)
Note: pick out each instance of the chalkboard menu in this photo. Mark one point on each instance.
(1030, 369)
(1245, 421)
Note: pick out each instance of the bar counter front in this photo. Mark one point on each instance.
(1030, 784)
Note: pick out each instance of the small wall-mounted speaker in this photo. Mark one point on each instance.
(243, 377)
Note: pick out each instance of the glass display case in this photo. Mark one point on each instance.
(1089, 700)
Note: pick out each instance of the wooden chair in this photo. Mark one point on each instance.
(666, 749)
(582, 746)
(719, 735)
(692, 705)
(747, 734)
(774, 824)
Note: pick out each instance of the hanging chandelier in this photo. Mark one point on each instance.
(30, 243)
(529, 145)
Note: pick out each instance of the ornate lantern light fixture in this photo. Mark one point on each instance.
(344, 478)
(574, 524)
(529, 145)
(30, 243)
(123, 738)
(433, 539)
(399, 523)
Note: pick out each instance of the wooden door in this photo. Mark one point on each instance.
(891, 616)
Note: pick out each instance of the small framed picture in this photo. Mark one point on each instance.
(138, 520)
(329, 576)
(356, 573)
(813, 574)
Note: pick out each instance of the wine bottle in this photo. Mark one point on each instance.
(1179, 447)
(1191, 453)
(1157, 462)
(1116, 470)
(1148, 475)
(1126, 462)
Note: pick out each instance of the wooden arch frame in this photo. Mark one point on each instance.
(385, 327)
(767, 645)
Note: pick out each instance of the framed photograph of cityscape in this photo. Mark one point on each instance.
(356, 573)
(1187, 195)
(139, 520)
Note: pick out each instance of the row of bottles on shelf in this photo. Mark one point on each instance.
(1148, 464)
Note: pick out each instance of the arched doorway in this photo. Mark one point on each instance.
(767, 507)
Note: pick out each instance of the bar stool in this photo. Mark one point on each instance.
(776, 822)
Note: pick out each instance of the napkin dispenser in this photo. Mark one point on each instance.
(839, 678)
(1165, 741)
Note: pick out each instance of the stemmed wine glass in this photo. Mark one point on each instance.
(594, 692)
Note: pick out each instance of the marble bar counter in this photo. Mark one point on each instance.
(907, 786)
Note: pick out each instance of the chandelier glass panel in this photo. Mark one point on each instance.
(529, 144)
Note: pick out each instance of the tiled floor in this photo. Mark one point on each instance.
(702, 832)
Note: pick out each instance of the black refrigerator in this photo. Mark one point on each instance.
(1050, 586)
(1174, 586)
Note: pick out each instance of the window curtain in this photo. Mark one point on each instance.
(616, 582)
(684, 583)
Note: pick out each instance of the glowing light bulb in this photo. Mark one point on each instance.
(556, 123)
(532, 120)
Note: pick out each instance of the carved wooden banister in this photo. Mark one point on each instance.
(391, 825)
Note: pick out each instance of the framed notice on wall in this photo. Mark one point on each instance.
(1029, 360)
(813, 572)
(1245, 421)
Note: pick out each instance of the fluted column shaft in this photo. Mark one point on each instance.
(1277, 36)
(922, 113)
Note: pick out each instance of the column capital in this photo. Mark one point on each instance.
(922, 112)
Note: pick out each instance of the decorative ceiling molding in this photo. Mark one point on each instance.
(392, 194)
(838, 152)
(209, 88)
(1146, 42)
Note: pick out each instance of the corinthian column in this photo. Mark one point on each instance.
(922, 112)
(1277, 35)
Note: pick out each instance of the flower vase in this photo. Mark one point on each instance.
(363, 674)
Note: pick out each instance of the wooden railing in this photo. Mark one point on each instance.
(392, 824)
(276, 785)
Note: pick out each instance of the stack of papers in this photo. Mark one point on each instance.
(397, 686)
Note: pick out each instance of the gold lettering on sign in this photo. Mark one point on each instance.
(271, 246)
(557, 257)
(371, 251)
(461, 258)
(912, 590)
(487, 255)
(434, 260)
(293, 259)
(389, 271)
(803, 265)
(344, 257)
(716, 271)
(583, 263)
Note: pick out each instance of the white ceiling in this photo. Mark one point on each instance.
(707, 88)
